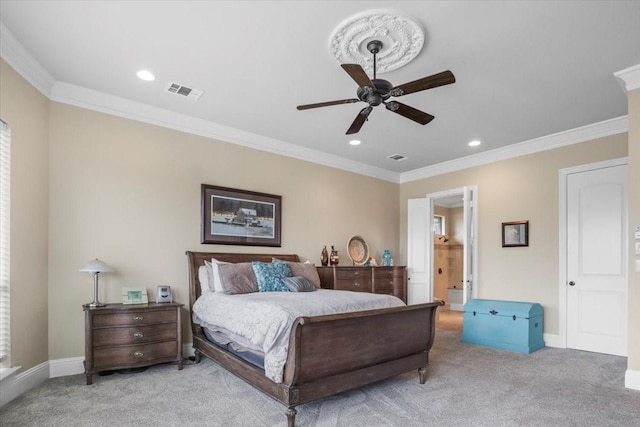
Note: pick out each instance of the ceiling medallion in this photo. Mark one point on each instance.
(402, 38)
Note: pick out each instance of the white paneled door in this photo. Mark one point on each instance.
(419, 250)
(597, 260)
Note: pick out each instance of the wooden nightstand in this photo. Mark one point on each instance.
(121, 336)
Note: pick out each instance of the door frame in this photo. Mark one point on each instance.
(563, 236)
(474, 245)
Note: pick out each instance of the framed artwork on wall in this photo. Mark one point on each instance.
(515, 233)
(238, 217)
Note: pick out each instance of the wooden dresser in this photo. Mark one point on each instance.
(119, 336)
(379, 280)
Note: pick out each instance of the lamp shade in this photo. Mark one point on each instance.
(96, 266)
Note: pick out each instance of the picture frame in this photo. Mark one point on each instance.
(230, 216)
(134, 295)
(515, 233)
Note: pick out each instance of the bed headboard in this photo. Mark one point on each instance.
(196, 259)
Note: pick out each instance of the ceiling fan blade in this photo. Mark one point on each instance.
(356, 72)
(440, 79)
(409, 112)
(326, 104)
(359, 121)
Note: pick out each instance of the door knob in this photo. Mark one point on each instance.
(572, 283)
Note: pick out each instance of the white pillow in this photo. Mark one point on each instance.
(203, 277)
(216, 286)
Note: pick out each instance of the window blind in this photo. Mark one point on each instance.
(5, 176)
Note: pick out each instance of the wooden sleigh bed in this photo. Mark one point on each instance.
(327, 354)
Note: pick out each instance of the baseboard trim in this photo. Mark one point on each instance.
(14, 386)
(66, 367)
(632, 379)
(553, 340)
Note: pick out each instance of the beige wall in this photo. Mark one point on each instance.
(26, 111)
(129, 193)
(522, 188)
(634, 220)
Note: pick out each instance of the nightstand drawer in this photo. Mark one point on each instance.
(143, 317)
(134, 354)
(135, 334)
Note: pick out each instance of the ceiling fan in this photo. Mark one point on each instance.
(378, 91)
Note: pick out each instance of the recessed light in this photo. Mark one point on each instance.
(474, 143)
(354, 142)
(145, 75)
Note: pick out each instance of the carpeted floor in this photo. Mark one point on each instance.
(466, 386)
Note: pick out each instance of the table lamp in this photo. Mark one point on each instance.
(96, 267)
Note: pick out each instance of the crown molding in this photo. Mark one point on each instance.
(629, 77)
(12, 51)
(97, 101)
(549, 142)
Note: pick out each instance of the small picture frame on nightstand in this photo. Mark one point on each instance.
(134, 295)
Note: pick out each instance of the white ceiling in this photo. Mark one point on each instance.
(524, 70)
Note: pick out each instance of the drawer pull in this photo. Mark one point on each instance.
(493, 312)
(138, 318)
(356, 284)
(138, 335)
(138, 354)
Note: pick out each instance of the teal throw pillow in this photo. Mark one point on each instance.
(269, 276)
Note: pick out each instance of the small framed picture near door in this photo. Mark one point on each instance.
(515, 233)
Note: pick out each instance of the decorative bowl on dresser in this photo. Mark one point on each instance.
(378, 280)
(121, 336)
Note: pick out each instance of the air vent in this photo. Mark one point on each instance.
(397, 157)
(184, 91)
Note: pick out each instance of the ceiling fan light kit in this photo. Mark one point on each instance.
(370, 29)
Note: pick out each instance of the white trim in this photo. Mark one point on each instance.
(187, 350)
(632, 379)
(8, 372)
(629, 77)
(12, 51)
(553, 340)
(12, 387)
(549, 142)
(562, 237)
(66, 367)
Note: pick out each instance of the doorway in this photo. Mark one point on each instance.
(442, 254)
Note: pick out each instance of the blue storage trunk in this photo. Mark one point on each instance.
(508, 325)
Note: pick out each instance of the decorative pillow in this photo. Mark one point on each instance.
(269, 276)
(203, 278)
(215, 284)
(237, 278)
(304, 269)
(298, 284)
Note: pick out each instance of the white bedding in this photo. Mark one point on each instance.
(266, 318)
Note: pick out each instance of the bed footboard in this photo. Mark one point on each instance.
(331, 354)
